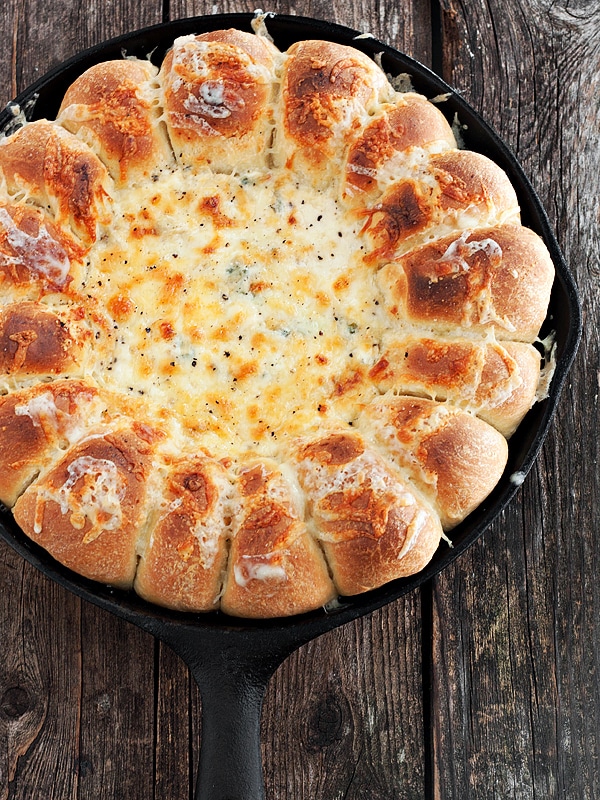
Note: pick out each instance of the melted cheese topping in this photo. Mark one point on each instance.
(241, 305)
(44, 413)
(259, 568)
(92, 493)
(41, 254)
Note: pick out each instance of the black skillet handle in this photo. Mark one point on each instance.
(230, 756)
(232, 671)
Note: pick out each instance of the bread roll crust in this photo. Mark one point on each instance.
(489, 278)
(55, 169)
(111, 107)
(35, 341)
(372, 527)
(88, 511)
(455, 458)
(216, 95)
(496, 381)
(181, 565)
(274, 564)
(457, 189)
(471, 179)
(36, 424)
(410, 123)
(260, 49)
(35, 256)
(326, 89)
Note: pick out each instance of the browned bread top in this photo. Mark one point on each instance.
(88, 510)
(216, 90)
(328, 92)
(183, 555)
(274, 564)
(36, 424)
(380, 151)
(50, 166)
(37, 341)
(495, 277)
(455, 458)
(373, 526)
(496, 381)
(112, 107)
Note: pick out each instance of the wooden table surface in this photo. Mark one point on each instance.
(483, 684)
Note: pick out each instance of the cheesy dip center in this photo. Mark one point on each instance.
(239, 304)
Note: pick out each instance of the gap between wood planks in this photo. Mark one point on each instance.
(426, 687)
(436, 37)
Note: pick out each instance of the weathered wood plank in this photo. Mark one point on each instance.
(39, 688)
(495, 689)
(515, 622)
(406, 26)
(117, 742)
(178, 727)
(343, 716)
(43, 34)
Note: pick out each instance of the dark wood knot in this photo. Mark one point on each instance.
(15, 702)
(327, 723)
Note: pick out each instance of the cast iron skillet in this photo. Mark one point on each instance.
(231, 659)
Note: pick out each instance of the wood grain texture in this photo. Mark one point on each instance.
(513, 677)
(343, 716)
(118, 706)
(39, 685)
(178, 726)
(406, 25)
(42, 34)
(484, 685)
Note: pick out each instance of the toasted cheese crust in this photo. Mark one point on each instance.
(265, 328)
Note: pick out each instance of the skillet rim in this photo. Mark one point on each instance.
(564, 314)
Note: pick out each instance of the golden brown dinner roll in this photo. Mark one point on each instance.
(453, 457)
(275, 568)
(511, 359)
(185, 550)
(469, 181)
(259, 48)
(89, 510)
(371, 524)
(51, 167)
(216, 95)
(35, 256)
(492, 278)
(456, 189)
(113, 108)
(37, 341)
(36, 424)
(328, 92)
(496, 381)
(387, 144)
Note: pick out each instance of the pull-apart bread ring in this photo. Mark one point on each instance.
(265, 329)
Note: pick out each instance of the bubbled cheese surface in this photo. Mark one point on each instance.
(241, 305)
